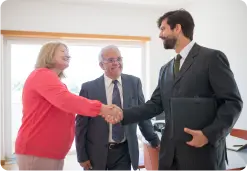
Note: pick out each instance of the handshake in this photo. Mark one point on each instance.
(111, 113)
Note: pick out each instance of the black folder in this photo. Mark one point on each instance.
(194, 113)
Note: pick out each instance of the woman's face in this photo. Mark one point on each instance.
(61, 57)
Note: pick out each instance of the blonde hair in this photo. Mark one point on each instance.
(46, 55)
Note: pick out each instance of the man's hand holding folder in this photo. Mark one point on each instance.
(189, 117)
(198, 138)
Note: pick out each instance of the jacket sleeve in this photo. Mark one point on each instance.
(146, 126)
(48, 85)
(81, 132)
(145, 111)
(228, 97)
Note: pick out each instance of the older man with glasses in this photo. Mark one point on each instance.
(103, 146)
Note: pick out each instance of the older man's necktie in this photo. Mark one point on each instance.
(117, 129)
(177, 64)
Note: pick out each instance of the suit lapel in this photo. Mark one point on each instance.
(126, 91)
(167, 78)
(188, 62)
(101, 96)
(101, 90)
(170, 71)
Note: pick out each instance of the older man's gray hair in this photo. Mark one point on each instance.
(105, 49)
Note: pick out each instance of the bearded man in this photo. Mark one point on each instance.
(200, 98)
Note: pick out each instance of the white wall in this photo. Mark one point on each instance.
(222, 25)
(96, 19)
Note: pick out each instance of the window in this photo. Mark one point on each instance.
(83, 67)
(22, 63)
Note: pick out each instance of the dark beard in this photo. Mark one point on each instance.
(169, 43)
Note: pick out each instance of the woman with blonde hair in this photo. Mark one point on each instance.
(49, 109)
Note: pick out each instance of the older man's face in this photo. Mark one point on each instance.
(112, 63)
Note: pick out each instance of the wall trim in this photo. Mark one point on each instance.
(35, 34)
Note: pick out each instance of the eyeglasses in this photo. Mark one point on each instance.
(112, 60)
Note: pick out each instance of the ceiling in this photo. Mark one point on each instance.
(144, 3)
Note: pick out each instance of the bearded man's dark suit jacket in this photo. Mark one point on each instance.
(92, 133)
(204, 73)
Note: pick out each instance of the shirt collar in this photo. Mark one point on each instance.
(186, 50)
(108, 80)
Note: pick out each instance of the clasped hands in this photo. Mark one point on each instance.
(111, 113)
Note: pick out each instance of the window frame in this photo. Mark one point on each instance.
(6, 74)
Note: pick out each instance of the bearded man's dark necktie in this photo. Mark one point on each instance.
(117, 129)
(177, 64)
